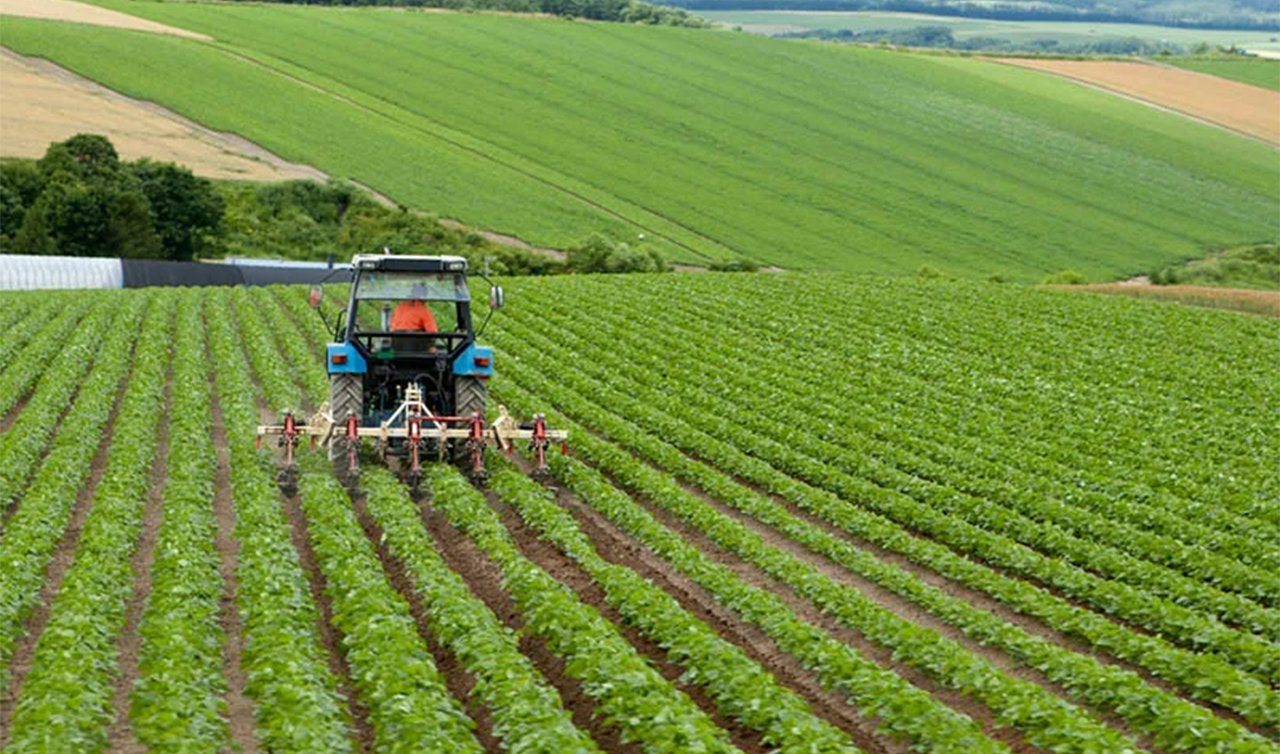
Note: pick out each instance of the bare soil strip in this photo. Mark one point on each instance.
(564, 570)
(44, 103)
(64, 556)
(485, 581)
(120, 736)
(240, 715)
(1249, 110)
(329, 636)
(80, 13)
(8, 419)
(457, 678)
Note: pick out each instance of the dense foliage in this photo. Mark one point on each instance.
(714, 146)
(625, 11)
(942, 37)
(1255, 266)
(81, 200)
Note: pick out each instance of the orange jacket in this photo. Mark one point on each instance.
(413, 316)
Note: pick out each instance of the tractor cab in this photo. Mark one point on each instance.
(408, 323)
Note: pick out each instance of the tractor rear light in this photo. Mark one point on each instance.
(339, 358)
(482, 361)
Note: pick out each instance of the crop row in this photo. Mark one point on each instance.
(177, 703)
(907, 339)
(297, 704)
(741, 688)
(274, 381)
(724, 432)
(1085, 678)
(294, 348)
(903, 710)
(527, 711)
(66, 701)
(395, 676)
(1231, 687)
(628, 691)
(28, 318)
(294, 299)
(22, 444)
(28, 541)
(1044, 719)
(28, 364)
(1056, 527)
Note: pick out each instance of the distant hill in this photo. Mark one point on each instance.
(1206, 14)
(709, 145)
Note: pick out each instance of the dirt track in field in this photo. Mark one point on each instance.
(44, 103)
(66, 10)
(1266, 303)
(1245, 109)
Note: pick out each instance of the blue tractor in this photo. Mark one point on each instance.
(407, 374)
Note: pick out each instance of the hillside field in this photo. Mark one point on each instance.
(1262, 72)
(873, 515)
(710, 145)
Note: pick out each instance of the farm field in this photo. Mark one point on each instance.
(1264, 72)
(1244, 108)
(45, 104)
(1066, 32)
(805, 156)
(984, 518)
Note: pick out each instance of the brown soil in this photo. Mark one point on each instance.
(44, 103)
(63, 557)
(1266, 303)
(6, 421)
(485, 581)
(1246, 109)
(564, 570)
(120, 735)
(240, 716)
(457, 678)
(330, 636)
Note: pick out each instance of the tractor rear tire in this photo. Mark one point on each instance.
(469, 394)
(346, 395)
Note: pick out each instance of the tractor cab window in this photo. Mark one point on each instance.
(387, 301)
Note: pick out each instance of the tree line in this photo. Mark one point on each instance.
(81, 199)
(625, 11)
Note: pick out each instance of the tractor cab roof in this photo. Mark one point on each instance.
(396, 263)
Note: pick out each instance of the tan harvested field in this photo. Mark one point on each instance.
(65, 10)
(44, 103)
(1266, 303)
(1246, 109)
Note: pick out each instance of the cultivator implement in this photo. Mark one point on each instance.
(414, 433)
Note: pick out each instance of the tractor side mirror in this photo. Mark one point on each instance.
(496, 298)
(315, 296)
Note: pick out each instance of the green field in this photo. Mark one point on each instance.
(1066, 32)
(709, 144)
(1256, 71)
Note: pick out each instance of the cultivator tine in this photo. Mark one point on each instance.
(475, 441)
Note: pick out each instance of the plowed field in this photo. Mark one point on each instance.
(1248, 109)
(798, 513)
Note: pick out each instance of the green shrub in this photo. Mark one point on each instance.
(1065, 277)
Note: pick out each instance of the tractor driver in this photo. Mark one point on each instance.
(413, 315)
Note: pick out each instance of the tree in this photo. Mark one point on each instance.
(186, 211)
(87, 156)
